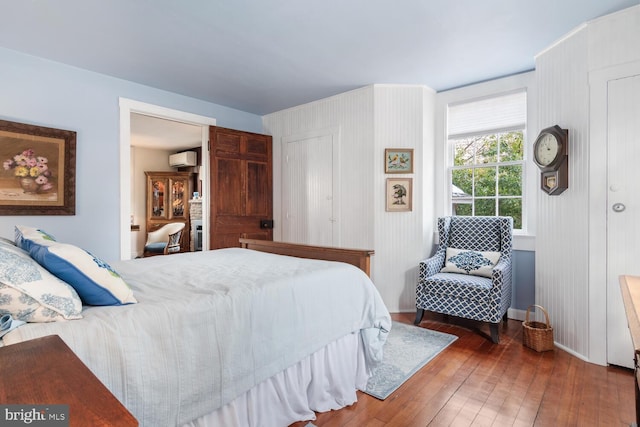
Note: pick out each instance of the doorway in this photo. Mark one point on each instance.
(153, 141)
(623, 209)
(127, 108)
(614, 98)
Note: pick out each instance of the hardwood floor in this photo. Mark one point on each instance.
(476, 383)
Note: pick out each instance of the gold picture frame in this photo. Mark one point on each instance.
(39, 170)
(399, 194)
(398, 160)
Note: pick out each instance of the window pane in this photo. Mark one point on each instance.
(510, 180)
(511, 146)
(463, 180)
(512, 208)
(485, 207)
(486, 149)
(464, 152)
(462, 209)
(485, 182)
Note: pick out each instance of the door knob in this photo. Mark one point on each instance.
(618, 207)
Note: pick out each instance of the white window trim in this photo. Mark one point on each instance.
(523, 239)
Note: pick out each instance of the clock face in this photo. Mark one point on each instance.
(547, 149)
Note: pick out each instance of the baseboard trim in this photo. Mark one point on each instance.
(516, 314)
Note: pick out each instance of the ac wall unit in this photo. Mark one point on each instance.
(186, 158)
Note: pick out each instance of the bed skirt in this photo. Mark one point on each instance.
(325, 380)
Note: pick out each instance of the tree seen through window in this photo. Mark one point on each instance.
(487, 175)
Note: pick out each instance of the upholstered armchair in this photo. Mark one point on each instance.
(165, 240)
(470, 274)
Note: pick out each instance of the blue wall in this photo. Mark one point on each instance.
(524, 277)
(46, 93)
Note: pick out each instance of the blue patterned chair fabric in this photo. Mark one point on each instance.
(471, 297)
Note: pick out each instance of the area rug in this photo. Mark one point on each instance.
(407, 349)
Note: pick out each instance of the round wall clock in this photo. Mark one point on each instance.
(550, 148)
(550, 154)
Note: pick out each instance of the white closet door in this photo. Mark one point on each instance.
(623, 209)
(307, 193)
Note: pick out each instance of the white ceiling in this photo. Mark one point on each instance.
(162, 134)
(262, 56)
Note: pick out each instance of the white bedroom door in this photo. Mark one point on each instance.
(623, 208)
(308, 190)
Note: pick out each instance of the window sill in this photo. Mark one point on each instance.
(524, 242)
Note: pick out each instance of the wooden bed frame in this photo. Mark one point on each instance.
(361, 258)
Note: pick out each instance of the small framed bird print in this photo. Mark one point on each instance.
(398, 160)
(399, 194)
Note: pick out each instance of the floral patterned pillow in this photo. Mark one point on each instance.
(470, 262)
(30, 293)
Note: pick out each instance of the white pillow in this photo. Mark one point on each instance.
(470, 262)
(30, 293)
(92, 278)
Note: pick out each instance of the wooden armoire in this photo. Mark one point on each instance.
(241, 187)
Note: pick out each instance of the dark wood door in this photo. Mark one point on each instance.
(241, 187)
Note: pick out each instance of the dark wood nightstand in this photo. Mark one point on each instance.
(45, 371)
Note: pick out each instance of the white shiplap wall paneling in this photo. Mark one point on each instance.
(562, 239)
(400, 123)
(368, 120)
(571, 228)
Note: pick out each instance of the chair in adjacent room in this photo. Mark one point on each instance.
(165, 240)
(470, 274)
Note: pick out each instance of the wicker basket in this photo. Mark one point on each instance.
(537, 335)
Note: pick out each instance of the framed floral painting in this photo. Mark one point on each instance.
(38, 175)
(398, 160)
(399, 194)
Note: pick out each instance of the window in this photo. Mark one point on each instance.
(487, 168)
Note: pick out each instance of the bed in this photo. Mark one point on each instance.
(234, 337)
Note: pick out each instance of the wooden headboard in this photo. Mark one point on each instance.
(361, 258)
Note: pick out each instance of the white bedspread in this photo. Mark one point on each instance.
(211, 325)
